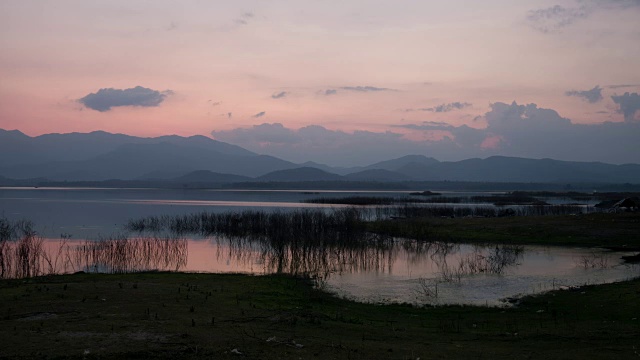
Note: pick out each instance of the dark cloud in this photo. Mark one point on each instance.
(555, 18)
(260, 114)
(443, 107)
(623, 86)
(365, 88)
(629, 105)
(229, 115)
(450, 107)
(244, 18)
(330, 92)
(593, 96)
(612, 4)
(436, 124)
(172, 26)
(107, 98)
(511, 130)
(279, 95)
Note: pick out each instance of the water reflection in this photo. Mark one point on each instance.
(31, 255)
(309, 258)
(122, 254)
(372, 269)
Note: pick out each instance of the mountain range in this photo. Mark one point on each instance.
(99, 156)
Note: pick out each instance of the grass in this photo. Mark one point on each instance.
(498, 200)
(170, 315)
(614, 231)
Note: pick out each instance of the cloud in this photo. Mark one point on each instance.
(172, 26)
(592, 96)
(106, 98)
(229, 115)
(443, 107)
(555, 18)
(244, 18)
(510, 130)
(629, 105)
(317, 143)
(612, 4)
(365, 88)
(330, 92)
(260, 114)
(279, 95)
(623, 86)
(275, 134)
(530, 131)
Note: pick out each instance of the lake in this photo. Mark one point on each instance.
(88, 213)
(395, 270)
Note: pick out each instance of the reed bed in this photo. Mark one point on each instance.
(121, 254)
(24, 254)
(309, 242)
(320, 241)
(499, 200)
(408, 211)
(299, 223)
(21, 250)
(494, 261)
(311, 257)
(319, 223)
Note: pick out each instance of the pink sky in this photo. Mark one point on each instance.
(238, 54)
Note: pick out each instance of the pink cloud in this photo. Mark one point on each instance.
(491, 142)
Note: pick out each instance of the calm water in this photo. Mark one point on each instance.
(402, 271)
(89, 213)
(397, 271)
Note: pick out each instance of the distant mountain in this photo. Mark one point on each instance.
(23, 182)
(135, 160)
(99, 156)
(164, 174)
(17, 148)
(511, 169)
(300, 174)
(395, 164)
(389, 165)
(206, 176)
(379, 175)
(415, 170)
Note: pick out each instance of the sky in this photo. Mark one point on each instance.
(339, 82)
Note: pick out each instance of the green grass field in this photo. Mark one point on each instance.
(169, 315)
(616, 231)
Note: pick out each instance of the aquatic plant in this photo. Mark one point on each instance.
(24, 254)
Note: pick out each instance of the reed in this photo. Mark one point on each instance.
(21, 249)
(23, 253)
(121, 254)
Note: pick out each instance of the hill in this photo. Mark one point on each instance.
(99, 156)
(300, 174)
(206, 176)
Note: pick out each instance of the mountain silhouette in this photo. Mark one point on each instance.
(99, 156)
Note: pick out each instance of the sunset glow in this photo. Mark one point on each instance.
(375, 66)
